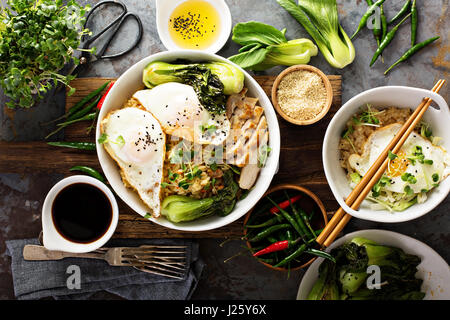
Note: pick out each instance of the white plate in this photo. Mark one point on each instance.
(433, 269)
(131, 81)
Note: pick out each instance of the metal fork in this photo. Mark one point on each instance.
(164, 260)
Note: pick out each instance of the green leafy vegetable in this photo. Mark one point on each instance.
(263, 154)
(356, 178)
(253, 32)
(346, 279)
(105, 139)
(376, 189)
(211, 81)
(265, 46)
(425, 131)
(391, 155)
(37, 38)
(320, 19)
(182, 208)
(409, 178)
(435, 177)
(368, 117)
(408, 190)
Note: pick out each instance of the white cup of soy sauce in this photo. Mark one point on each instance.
(79, 214)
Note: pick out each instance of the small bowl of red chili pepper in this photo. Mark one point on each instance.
(281, 229)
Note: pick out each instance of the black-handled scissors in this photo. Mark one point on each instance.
(87, 41)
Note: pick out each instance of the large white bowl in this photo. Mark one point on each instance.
(402, 97)
(131, 81)
(433, 269)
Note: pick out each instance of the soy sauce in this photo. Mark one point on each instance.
(81, 213)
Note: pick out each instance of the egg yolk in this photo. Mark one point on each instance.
(139, 146)
(398, 166)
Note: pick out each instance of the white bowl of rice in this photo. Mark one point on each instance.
(357, 121)
(130, 82)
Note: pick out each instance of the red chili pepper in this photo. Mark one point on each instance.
(100, 103)
(285, 204)
(277, 246)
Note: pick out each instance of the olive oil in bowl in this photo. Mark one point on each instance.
(194, 24)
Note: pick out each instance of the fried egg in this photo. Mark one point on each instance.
(181, 114)
(135, 140)
(419, 164)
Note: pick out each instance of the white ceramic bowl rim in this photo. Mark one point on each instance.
(112, 101)
(164, 9)
(52, 240)
(436, 282)
(331, 166)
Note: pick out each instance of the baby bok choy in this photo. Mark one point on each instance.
(183, 208)
(264, 46)
(320, 19)
(159, 72)
(347, 278)
(212, 81)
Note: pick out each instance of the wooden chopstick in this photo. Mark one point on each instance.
(359, 193)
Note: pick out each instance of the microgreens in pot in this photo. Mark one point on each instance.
(37, 38)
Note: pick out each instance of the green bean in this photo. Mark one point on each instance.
(289, 235)
(277, 219)
(287, 216)
(376, 31)
(262, 209)
(402, 12)
(304, 231)
(369, 12)
(321, 254)
(268, 261)
(317, 232)
(76, 145)
(91, 127)
(299, 220)
(89, 116)
(384, 24)
(411, 52)
(389, 36)
(414, 22)
(292, 256)
(272, 239)
(85, 110)
(266, 232)
(83, 101)
(92, 172)
(306, 222)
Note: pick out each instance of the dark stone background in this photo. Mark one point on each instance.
(21, 196)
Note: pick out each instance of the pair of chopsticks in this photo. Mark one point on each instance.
(376, 171)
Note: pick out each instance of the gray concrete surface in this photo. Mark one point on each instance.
(21, 197)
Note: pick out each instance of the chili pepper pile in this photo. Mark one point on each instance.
(384, 36)
(281, 233)
(87, 109)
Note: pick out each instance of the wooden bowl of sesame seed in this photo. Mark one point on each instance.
(302, 94)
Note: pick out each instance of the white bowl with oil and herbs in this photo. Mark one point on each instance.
(203, 25)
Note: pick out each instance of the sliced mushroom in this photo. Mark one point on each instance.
(249, 173)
